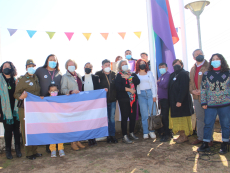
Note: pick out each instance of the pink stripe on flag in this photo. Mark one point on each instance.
(38, 128)
(53, 107)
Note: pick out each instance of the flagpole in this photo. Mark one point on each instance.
(152, 52)
(183, 34)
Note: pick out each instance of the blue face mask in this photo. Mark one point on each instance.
(31, 70)
(52, 64)
(128, 57)
(216, 63)
(162, 70)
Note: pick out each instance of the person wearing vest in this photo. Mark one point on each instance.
(107, 80)
(196, 75)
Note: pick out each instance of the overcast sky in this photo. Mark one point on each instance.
(98, 16)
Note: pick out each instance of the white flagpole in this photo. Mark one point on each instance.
(183, 35)
(152, 53)
(26, 142)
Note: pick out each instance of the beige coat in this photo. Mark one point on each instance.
(192, 85)
(68, 83)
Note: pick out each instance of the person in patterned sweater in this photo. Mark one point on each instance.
(215, 99)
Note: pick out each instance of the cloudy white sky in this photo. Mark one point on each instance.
(98, 16)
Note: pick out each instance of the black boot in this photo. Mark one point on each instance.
(48, 149)
(90, 143)
(18, 151)
(114, 140)
(8, 153)
(94, 142)
(204, 147)
(109, 140)
(223, 148)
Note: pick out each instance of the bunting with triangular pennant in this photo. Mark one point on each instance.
(51, 34)
(138, 34)
(11, 31)
(69, 35)
(105, 35)
(122, 34)
(31, 33)
(87, 35)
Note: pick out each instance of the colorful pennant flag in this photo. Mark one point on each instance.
(138, 34)
(87, 35)
(31, 33)
(12, 31)
(51, 34)
(69, 35)
(105, 35)
(122, 34)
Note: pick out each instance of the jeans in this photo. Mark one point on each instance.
(111, 108)
(145, 100)
(209, 120)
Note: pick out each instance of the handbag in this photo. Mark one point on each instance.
(155, 121)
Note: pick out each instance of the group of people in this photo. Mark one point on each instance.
(208, 83)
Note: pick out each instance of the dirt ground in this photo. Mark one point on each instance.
(144, 156)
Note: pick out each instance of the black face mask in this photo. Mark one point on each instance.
(7, 71)
(200, 58)
(176, 67)
(142, 66)
(88, 70)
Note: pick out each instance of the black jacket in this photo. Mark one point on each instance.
(96, 84)
(178, 91)
(111, 94)
(121, 84)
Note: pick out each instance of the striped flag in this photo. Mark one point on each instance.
(63, 119)
(164, 33)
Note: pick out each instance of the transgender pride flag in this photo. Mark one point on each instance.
(63, 119)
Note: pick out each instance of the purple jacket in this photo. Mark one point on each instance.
(162, 86)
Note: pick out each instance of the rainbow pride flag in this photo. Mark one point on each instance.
(63, 119)
(164, 33)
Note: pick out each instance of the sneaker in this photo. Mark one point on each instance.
(133, 136)
(53, 153)
(145, 136)
(61, 153)
(152, 135)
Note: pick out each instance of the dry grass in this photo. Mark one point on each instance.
(144, 156)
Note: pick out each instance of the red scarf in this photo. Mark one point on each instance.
(217, 69)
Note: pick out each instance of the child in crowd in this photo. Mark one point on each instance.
(53, 91)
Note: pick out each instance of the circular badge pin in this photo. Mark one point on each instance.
(174, 78)
(45, 76)
(200, 73)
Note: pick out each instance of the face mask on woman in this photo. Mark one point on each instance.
(54, 93)
(71, 68)
(7, 71)
(88, 70)
(31, 70)
(107, 69)
(52, 64)
(125, 67)
(128, 57)
(142, 66)
(216, 63)
(176, 67)
(162, 70)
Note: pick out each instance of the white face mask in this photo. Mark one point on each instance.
(107, 69)
(71, 68)
(125, 67)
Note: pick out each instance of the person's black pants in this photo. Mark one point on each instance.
(165, 116)
(125, 109)
(9, 128)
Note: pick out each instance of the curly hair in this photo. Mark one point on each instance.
(14, 71)
(138, 66)
(224, 64)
